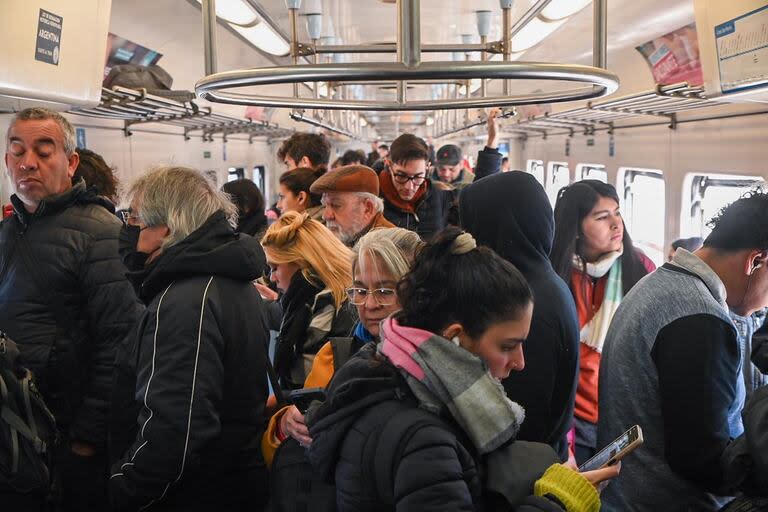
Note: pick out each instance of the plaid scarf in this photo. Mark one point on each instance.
(444, 375)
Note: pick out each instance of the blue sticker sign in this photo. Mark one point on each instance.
(48, 44)
(80, 132)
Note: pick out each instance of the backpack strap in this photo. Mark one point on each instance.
(401, 425)
(342, 351)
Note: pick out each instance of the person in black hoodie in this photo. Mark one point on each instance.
(510, 213)
(198, 365)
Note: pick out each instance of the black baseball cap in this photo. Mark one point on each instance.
(450, 154)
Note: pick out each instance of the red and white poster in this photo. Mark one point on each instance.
(674, 57)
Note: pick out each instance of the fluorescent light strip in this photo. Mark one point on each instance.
(235, 12)
(559, 9)
(263, 37)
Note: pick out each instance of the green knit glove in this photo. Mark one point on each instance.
(569, 487)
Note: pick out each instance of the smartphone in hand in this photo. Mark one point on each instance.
(302, 398)
(615, 451)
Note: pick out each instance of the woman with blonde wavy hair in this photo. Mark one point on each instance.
(312, 269)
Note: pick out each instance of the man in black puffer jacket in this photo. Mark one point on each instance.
(198, 365)
(64, 297)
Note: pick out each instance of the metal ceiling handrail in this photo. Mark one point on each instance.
(409, 67)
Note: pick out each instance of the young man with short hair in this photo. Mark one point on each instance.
(671, 363)
(304, 149)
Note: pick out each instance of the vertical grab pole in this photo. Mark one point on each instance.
(600, 34)
(209, 36)
(408, 40)
(293, 12)
(506, 36)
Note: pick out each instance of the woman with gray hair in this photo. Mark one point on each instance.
(198, 364)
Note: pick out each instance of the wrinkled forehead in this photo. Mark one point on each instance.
(34, 131)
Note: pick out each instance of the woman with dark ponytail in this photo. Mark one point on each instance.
(295, 195)
(413, 422)
(593, 253)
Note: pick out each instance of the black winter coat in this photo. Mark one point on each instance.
(71, 240)
(196, 373)
(510, 213)
(436, 467)
(432, 213)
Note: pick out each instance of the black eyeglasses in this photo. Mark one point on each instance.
(382, 296)
(403, 178)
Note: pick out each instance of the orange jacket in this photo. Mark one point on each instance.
(319, 377)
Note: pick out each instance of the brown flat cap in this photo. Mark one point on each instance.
(350, 178)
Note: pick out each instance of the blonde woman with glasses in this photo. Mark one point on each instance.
(380, 259)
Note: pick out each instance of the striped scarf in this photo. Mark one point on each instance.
(594, 332)
(443, 375)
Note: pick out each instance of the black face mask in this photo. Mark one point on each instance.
(133, 260)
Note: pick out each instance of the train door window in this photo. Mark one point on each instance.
(559, 176)
(707, 194)
(259, 176)
(642, 194)
(536, 167)
(235, 173)
(591, 172)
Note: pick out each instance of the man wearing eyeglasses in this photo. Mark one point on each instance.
(64, 296)
(411, 201)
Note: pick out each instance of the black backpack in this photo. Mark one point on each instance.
(27, 428)
(297, 487)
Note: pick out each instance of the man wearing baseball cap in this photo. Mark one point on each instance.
(450, 167)
(352, 203)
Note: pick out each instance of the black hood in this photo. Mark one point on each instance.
(213, 249)
(364, 381)
(79, 194)
(510, 213)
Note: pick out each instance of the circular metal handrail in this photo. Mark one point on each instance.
(214, 87)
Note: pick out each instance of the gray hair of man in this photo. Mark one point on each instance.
(180, 198)
(378, 203)
(44, 114)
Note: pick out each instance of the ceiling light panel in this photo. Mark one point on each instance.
(235, 11)
(263, 37)
(533, 33)
(560, 9)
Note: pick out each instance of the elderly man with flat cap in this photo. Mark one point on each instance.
(352, 203)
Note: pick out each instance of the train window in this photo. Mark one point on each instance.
(536, 167)
(559, 176)
(642, 194)
(707, 194)
(591, 172)
(235, 173)
(259, 175)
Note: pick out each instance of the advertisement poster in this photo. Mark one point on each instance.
(674, 57)
(123, 51)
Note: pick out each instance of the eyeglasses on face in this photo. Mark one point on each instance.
(382, 296)
(403, 178)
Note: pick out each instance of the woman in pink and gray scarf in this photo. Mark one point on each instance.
(421, 421)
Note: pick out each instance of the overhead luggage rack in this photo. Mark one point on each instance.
(664, 101)
(138, 107)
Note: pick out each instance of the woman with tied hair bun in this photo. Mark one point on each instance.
(312, 269)
(421, 420)
(295, 195)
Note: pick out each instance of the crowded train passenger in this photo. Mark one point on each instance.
(97, 174)
(745, 460)
(381, 258)
(450, 161)
(250, 203)
(421, 422)
(689, 244)
(304, 149)
(593, 253)
(510, 213)
(749, 344)
(505, 164)
(411, 201)
(312, 269)
(352, 204)
(353, 157)
(295, 194)
(65, 299)
(196, 371)
(380, 161)
(671, 364)
(336, 164)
